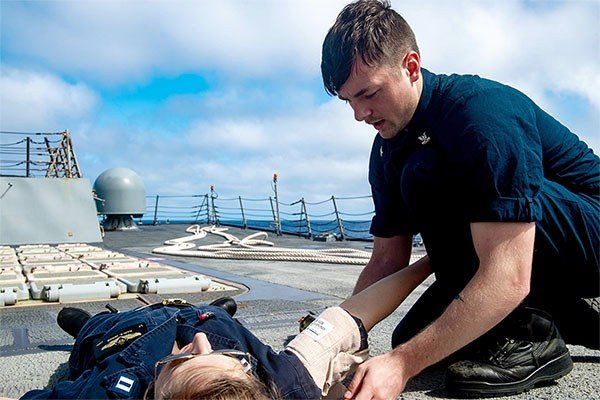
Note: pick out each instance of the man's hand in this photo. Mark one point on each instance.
(381, 378)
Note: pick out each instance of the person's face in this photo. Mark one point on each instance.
(386, 96)
(199, 345)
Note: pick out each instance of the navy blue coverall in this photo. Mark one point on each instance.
(115, 353)
(479, 151)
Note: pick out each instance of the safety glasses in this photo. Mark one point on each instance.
(175, 359)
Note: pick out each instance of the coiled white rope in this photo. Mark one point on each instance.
(246, 249)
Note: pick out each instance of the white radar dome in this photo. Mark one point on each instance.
(120, 192)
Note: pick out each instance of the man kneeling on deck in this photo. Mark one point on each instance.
(505, 197)
(177, 350)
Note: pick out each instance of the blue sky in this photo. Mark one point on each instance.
(194, 93)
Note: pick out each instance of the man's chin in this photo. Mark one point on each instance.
(386, 134)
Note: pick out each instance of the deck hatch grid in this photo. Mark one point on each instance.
(78, 272)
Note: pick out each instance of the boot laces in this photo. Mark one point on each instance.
(500, 348)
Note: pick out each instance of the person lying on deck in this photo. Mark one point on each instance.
(177, 350)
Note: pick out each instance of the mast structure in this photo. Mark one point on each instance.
(30, 156)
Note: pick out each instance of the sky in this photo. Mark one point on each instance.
(193, 93)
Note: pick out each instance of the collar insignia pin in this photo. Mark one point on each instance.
(381, 151)
(424, 139)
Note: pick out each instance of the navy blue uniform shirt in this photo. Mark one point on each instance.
(115, 353)
(479, 151)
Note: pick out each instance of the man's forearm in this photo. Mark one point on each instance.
(505, 252)
(478, 308)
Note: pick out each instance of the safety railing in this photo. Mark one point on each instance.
(51, 154)
(347, 218)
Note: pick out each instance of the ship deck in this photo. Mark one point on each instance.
(271, 296)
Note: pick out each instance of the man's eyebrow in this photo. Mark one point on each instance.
(358, 94)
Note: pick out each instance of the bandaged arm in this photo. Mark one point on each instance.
(331, 345)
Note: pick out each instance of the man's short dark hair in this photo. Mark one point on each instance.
(368, 29)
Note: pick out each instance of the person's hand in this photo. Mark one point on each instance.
(382, 378)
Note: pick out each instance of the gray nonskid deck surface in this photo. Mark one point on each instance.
(280, 293)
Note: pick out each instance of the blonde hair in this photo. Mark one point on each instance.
(215, 384)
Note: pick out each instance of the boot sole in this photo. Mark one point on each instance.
(552, 370)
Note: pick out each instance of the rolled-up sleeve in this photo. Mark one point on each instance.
(498, 157)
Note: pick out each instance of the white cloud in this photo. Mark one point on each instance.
(32, 101)
(543, 49)
(317, 153)
(587, 83)
(229, 136)
(116, 41)
(538, 47)
(550, 46)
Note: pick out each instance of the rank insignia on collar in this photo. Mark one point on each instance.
(424, 139)
(381, 151)
(126, 386)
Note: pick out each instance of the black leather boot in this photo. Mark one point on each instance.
(523, 350)
(226, 303)
(71, 320)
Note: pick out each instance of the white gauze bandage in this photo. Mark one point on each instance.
(328, 347)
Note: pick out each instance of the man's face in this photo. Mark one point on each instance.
(385, 97)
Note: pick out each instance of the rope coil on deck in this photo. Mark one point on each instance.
(247, 249)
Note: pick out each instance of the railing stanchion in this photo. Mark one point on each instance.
(308, 228)
(207, 209)
(27, 156)
(244, 224)
(198, 213)
(339, 220)
(273, 212)
(155, 221)
(212, 200)
(276, 212)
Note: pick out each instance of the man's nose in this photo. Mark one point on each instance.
(361, 112)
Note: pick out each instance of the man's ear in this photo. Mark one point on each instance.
(412, 63)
